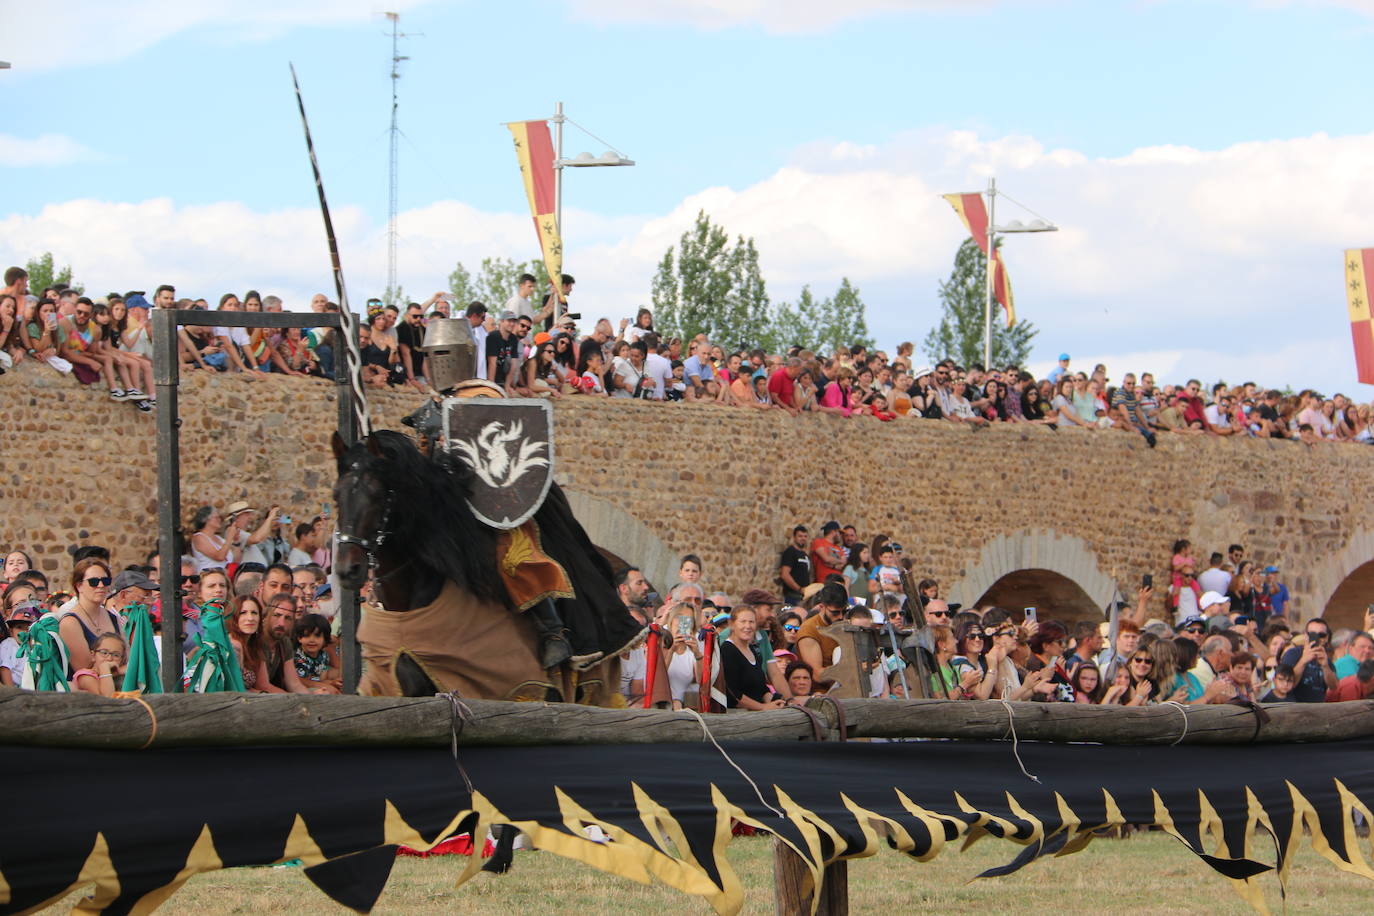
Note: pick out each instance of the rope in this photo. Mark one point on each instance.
(1015, 741)
(462, 714)
(817, 727)
(712, 738)
(1183, 711)
(151, 715)
(352, 364)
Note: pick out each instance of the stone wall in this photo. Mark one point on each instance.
(653, 481)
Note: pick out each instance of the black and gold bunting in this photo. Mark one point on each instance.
(667, 809)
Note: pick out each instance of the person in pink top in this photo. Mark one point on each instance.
(838, 397)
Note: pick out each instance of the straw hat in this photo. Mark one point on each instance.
(235, 508)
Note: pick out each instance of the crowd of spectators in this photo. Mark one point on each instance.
(1231, 634)
(256, 598)
(522, 348)
(258, 607)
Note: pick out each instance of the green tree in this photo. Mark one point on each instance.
(43, 274)
(785, 328)
(846, 320)
(691, 291)
(746, 311)
(959, 335)
(495, 282)
(708, 285)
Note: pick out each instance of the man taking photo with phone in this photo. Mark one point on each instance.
(1311, 664)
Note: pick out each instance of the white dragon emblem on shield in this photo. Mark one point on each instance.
(500, 456)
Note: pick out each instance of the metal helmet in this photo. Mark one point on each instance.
(450, 351)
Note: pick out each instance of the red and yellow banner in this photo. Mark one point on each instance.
(972, 211)
(534, 150)
(1359, 269)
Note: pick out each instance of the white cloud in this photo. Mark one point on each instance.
(43, 150)
(1198, 262)
(65, 33)
(772, 15)
(802, 16)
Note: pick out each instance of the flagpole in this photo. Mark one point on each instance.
(555, 283)
(987, 283)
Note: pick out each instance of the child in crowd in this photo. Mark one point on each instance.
(1285, 679)
(106, 676)
(886, 577)
(317, 662)
(677, 389)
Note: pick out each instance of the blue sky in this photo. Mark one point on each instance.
(1204, 158)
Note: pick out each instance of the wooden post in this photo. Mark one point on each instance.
(792, 889)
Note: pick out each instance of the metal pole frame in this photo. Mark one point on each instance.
(988, 280)
(167, 324)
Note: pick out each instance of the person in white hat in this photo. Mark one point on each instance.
(244, 536)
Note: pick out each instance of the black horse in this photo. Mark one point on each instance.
(404, 517)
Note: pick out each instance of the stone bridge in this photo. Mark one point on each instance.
(1018, 515)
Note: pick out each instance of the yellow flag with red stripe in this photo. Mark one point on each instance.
(974, 213)
(1359, 269)
(534, 151)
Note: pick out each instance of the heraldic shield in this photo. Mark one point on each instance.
(508, 443)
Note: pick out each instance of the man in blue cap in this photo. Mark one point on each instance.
(1058, 371)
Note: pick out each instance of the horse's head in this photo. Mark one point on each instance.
(362, 499)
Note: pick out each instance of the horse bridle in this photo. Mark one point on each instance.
(371, 546)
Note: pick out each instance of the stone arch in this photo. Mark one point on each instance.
(1040, 559)
(618, 534)
(1055, 596)
(1344, 585)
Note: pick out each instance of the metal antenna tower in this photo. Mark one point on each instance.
(396, 58)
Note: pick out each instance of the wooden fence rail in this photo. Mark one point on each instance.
(87, 721)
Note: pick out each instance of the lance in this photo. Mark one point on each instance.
(352, 359)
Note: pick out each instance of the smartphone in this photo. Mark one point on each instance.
(52, 320)
(1147, 580)
(684, 626)
(324, 510)
(1030, 614)
(285, 520)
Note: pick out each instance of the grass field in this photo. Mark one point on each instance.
(1144, 874)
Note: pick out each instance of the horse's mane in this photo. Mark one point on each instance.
(430, 518)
